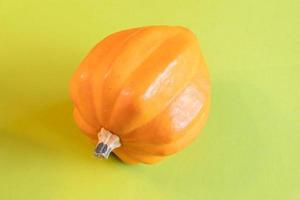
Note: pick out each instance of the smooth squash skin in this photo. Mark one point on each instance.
(149, 86)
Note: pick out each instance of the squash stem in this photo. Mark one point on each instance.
(107, 142)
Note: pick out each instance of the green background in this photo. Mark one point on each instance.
(249, 149)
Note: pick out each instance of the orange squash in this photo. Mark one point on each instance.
(143, 93)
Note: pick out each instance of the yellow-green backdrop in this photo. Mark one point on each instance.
(249, 149)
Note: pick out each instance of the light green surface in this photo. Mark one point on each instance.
(250, 148)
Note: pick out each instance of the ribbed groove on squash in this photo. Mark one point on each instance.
(110, 43)
(101, 47)
(126, 41)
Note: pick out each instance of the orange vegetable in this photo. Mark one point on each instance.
(143, 93)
